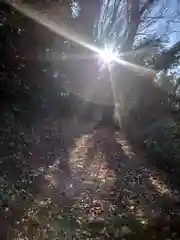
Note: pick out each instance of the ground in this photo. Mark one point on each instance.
(71, 179)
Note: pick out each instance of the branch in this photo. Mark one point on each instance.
(146, 6)
(161, 17)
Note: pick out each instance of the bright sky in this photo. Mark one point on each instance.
(171, 13)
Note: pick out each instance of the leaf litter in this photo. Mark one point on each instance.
(81, 185)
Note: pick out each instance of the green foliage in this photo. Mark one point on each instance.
(163, 142)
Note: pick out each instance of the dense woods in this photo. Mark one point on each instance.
(90, 149)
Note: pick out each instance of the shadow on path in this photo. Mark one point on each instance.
(84, 182)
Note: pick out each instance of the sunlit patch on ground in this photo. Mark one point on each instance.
(87, 160)
(160, 186)
(124, 145)
(99, 188)
(89, 164)
(78, 153)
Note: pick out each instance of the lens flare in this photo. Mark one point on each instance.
(108, 55)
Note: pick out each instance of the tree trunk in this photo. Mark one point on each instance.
(133, 19)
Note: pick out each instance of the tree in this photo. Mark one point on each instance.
(168, 58)
(128, 24)
(131, 26)
(166, 82)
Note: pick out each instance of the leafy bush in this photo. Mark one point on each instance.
(163, 142)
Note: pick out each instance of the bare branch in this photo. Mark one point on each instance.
(146, 6)
(161, 17)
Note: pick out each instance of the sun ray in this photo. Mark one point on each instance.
(66, 32)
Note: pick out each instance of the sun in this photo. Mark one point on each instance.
(108, 55)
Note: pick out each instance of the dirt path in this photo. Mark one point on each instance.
(91, 184)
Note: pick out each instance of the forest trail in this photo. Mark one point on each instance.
(92, 174)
